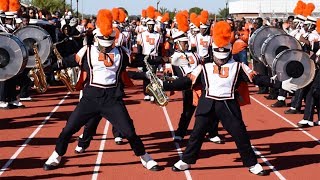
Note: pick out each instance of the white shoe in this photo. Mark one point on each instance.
(149, 163)
(257, 170)
(79, 150)
(3, 104)
(52, 162)
(317, 123)
(151, 98)
(16, 103)
(180, 166)
(26, 99)
(118, 140)
(216, 140)
(146, 98)
(305, 123)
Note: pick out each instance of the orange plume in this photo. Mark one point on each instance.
(193, 19)
(182, 21)
(4, 5)
(186, 13)
(165, 17)
(151, 12)
(144, 13)
(14, 5)
(299, 8)
(221, 33)
(122, 16)
(157, 14)
(318, 25)
(115, 14)
(204, 16)
(104, 22)
(308, 10)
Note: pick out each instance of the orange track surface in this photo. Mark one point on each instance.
(292, 153)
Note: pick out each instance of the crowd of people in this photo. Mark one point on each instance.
(206, 60)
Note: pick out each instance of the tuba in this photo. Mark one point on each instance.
(154, 88)
(63, 74)
(37, 74)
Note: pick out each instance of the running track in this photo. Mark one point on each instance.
(28, 136)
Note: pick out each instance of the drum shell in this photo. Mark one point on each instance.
(258, 37)
(285, 57)
(43, 40)
(275, 44)
(18, 56)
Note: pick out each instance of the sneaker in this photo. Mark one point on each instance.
(216, 140)
(180, 166)
(258, 170)
(79, 150)
(317, 123)
(279, 103)
(26, 99)
(118, 140)
(305, 123)
(270, 97)
(16, 104)
(4, 105)
(146, 98)
(52, 162)
(149, 163)
(291, 111)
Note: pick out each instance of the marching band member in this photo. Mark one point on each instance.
(150, 40)
(203, 38)
(101, 95)
(220, 77)
(184, 62)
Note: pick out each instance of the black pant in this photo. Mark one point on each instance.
(261, 69)
(24, 83)
(311, 102)
(231, 118)
(106, 106)
(299, 95)
(186, 116)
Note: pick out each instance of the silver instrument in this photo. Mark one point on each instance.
(30, 35)
(294, 64)
(13, 56)
(258, 37)
(275, 44)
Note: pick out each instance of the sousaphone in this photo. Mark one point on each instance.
(30, 35)
(258, 37)
(294, 64)
(13, 56)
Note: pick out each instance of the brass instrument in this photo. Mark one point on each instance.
(37, 74)
(63, 74)
(154, 88)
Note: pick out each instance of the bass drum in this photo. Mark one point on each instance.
(13, 56)
(30, 35)
(257, 39)
(295, 64)
(275, 44)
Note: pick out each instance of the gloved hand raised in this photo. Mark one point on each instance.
(288, 86)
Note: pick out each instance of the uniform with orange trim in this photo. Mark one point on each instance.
(221, 78)
(101, 95)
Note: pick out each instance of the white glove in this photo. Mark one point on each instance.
(288, 86)
(148, 75)
(273, 77)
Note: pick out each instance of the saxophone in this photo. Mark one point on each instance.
(154, 88)
(37, 74)
(63, 74)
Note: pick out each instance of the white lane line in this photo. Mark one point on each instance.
(280, 176)
(16, 154)
(285, 119)
(101, 148)
(187, 172)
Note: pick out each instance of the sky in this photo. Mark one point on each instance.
(134, 7)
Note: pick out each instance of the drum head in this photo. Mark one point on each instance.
(296, 64)
(34, 34)
(275, 44)
(13, 56)
(258, 37)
